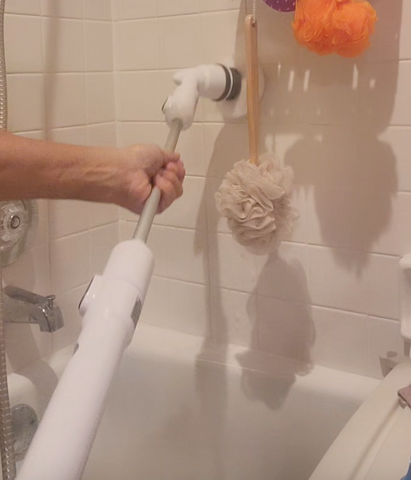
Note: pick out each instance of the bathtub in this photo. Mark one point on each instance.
(181, 408)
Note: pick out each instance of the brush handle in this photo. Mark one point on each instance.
(253, 94)
(150, 208)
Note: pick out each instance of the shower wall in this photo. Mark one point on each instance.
(61, 87)
(331, 295)
(79, 74)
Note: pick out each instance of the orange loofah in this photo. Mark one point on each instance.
(334, 26)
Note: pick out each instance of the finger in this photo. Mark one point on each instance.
(170, 187)
(173, 178)
(170, 157)
(178, 169)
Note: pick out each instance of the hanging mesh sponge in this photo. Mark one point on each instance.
(255, 201)
(334, 26)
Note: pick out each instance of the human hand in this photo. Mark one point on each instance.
(140, 167)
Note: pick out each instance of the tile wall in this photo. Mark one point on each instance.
(61, 87)
(331, 295)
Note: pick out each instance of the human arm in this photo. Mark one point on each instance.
(124, 176)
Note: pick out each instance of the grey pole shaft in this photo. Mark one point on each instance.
(150, 208)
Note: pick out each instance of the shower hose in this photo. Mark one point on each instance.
(8, 463)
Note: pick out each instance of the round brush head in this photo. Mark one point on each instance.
(237, 108)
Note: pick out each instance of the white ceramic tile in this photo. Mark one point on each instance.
(100, 214)
(216, 223)
(156, 309)
(41, 235)
(24, 90)
(157, 241)
(361, 282)
(346, 217)
(190, 145)
(395, 238)
(69, 262)
(219, 36)
(126, 229)
(177, 7)
(66, 110)
(369, 219)
(100, 98)
(102, 241)
(189, 211)
(385, 94)
(23, 38)
(330, 92)
(341, 340)
(27, 7)
(231, 265)
(99, 46)
(62, 8)
(70, 135)
(97, 9)
(214, 5)
(36, 135)
(63, 42)
(298, 200)
(128, 216)
(325, 155)
(191, 148)
(286, 329)
(276, 40)
(138, 100)
(189, 306)
(68, 303)
(25, 345)
(389, 157)
(224, 146)
(137, 45)
(390, 40)
(187, 255)
(132, 133)
(180, 41)
(234, 317)
(131, 9)
(31, 271)
(67, 217)
(285, 274)
(282, 100)
(385, 340)
(103, 135)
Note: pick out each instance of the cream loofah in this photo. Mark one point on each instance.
(255, 201)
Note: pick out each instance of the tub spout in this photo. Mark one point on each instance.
(22, 306)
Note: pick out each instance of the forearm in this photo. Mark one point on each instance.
(38, 169)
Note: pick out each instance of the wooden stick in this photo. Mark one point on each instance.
(253, 95)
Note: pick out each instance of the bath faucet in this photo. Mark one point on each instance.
(22, 306)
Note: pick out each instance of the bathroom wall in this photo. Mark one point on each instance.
(331, 295)
(61, 87)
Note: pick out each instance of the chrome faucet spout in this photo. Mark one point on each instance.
(22, 306)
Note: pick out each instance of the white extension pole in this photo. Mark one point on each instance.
(62, 444)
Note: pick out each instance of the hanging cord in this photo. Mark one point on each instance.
(254, 10)
(8, 463)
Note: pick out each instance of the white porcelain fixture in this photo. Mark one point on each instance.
(176, 411)
(376, 443)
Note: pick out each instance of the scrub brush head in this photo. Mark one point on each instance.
(255, 201)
